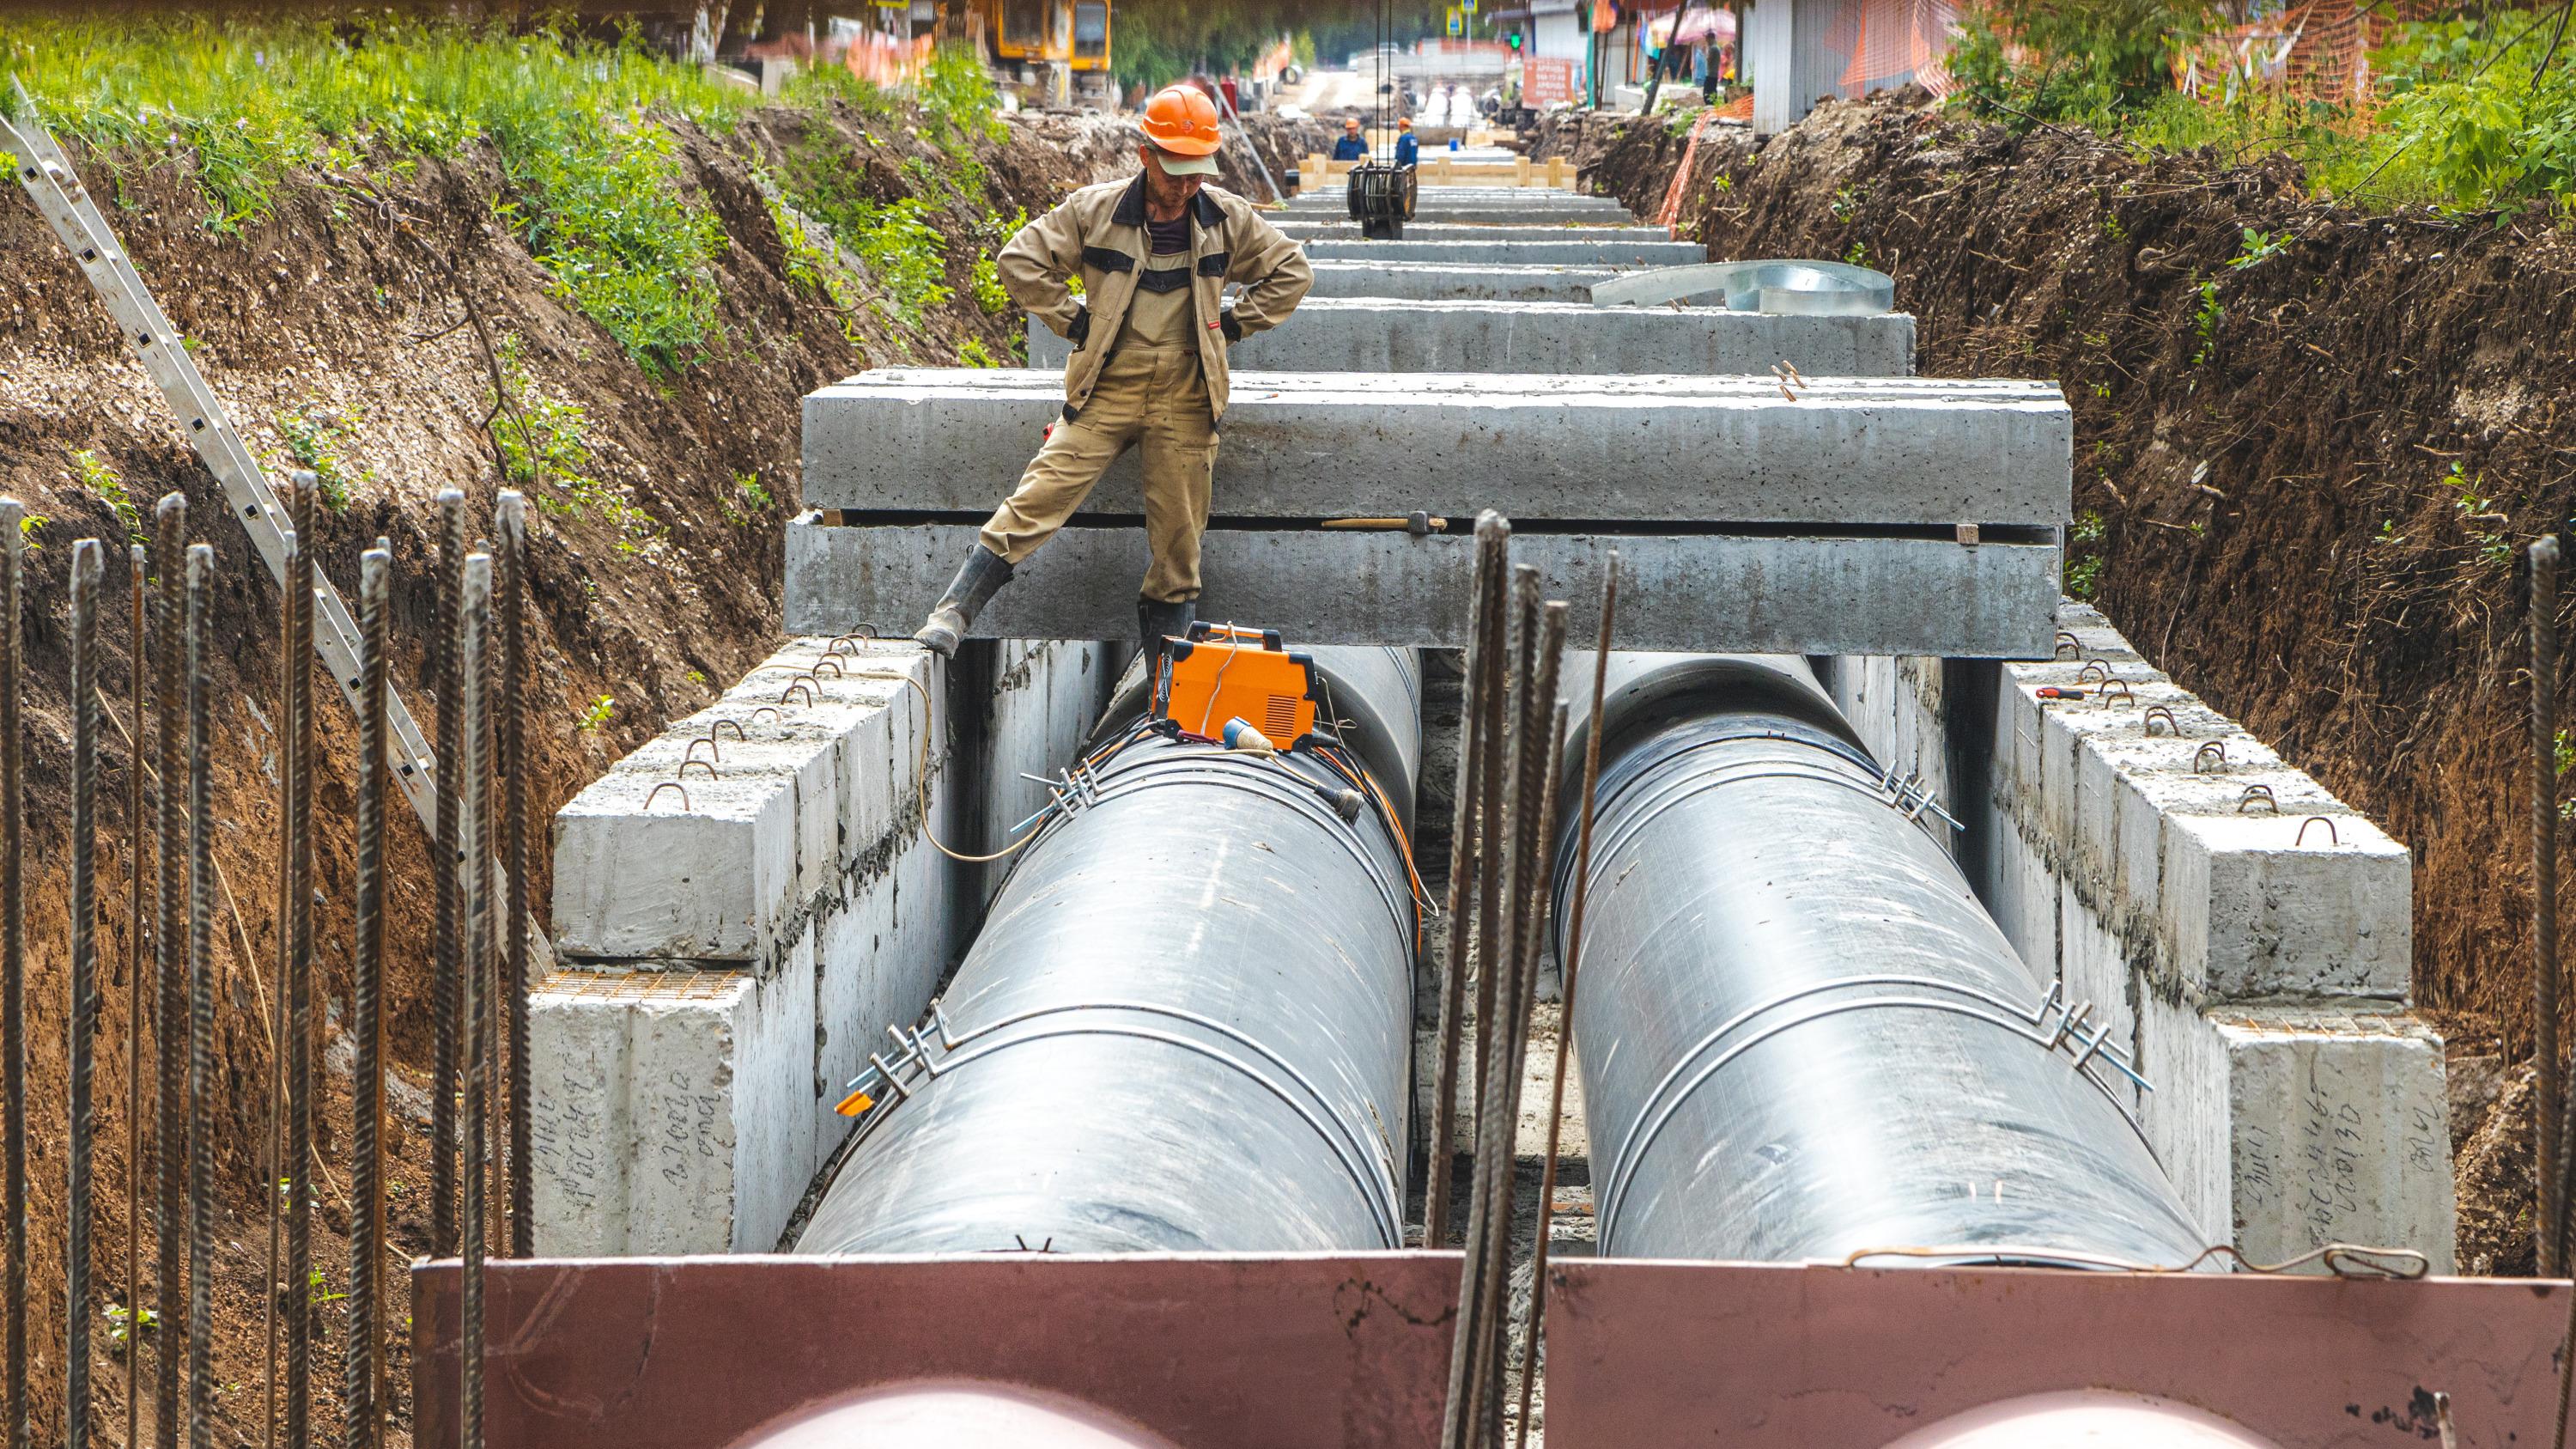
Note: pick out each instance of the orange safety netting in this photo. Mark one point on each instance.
(2320, 50)
(883, 60)
(1891, 42)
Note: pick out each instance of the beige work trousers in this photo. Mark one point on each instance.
(1148, 397)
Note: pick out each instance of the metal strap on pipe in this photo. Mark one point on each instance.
(1633, 1148)
(1383, 1194)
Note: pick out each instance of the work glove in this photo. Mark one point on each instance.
(1233, 330)
(1080, 331)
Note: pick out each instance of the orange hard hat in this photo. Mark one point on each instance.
(1182, 120)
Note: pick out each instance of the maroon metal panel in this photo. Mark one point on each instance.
(1244, 1352)
(1642, 1355)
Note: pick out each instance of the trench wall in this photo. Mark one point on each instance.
(729, 958)
(2147, 853)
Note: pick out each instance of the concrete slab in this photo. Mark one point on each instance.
(1449, 207)
(1460, 231)
(1685, 593)
(1569, 338)
(1514, 253)
(1435, 282)
(1646, 449)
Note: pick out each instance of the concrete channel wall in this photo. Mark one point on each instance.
(2261, 981)
(729, 961)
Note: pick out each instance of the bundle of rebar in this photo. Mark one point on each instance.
(1507, 857)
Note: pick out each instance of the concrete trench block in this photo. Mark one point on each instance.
(1515, 253)
(2338, 1131)
(708, 883)
(2250, 913)
(1661, 448)
(1565, 338)
(667, 1110)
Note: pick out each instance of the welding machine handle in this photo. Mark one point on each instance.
(1270, 639)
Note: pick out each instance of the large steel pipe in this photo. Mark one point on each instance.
(1185, 1024)
(1801, 1035)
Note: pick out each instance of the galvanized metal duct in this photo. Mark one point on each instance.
(1801, 1035)
(1185, 1025)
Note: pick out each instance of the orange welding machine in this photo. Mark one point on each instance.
(1221, 672)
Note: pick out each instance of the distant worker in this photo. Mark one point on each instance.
(1154, 255)
(1408, 147)
(1353, 146)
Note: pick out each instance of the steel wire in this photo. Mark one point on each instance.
(447, 938)
(302, 490)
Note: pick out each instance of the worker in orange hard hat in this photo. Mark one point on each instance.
(1149, 331)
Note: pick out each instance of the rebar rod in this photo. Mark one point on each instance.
(363, 1381)
(1493, 1034)
(169, 546)
(87, 567)
(1570, 969)
(201, 1006)
(1484, 655)
(447, 938)
(13, 962)
(474, 810)
(1489, 814)
(138, 952)
(1542, 743)
(511, 526)
(299, 985)
(273, 1166)
(2544, 902)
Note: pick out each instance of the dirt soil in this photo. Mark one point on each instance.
(2307, 454)
(365, 301)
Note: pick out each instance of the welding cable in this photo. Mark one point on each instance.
(1337, 757)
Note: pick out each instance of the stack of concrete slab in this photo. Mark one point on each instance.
(1749, 514)
(738, 903)
(2246, 933)
(1345, 229)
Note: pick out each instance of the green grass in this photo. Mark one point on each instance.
(545, 448)
(319, 439)
(592, 171)
(2457, 120)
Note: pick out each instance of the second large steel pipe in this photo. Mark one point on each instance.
(1801, 1036)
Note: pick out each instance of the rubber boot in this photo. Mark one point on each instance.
(983, 573)
(1156, 621)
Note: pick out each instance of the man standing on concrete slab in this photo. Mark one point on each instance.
(1408, 147)
(1148, 365)
(1353, 146)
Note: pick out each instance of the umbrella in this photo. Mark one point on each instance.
(1690, 27)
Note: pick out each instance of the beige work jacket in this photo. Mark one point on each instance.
(1099, 234)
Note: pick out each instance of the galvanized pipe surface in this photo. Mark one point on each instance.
(1745, 1106)
(1185, 1026)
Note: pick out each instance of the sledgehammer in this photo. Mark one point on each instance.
(1418, 525)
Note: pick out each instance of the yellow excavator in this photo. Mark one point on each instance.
(1049, 52)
